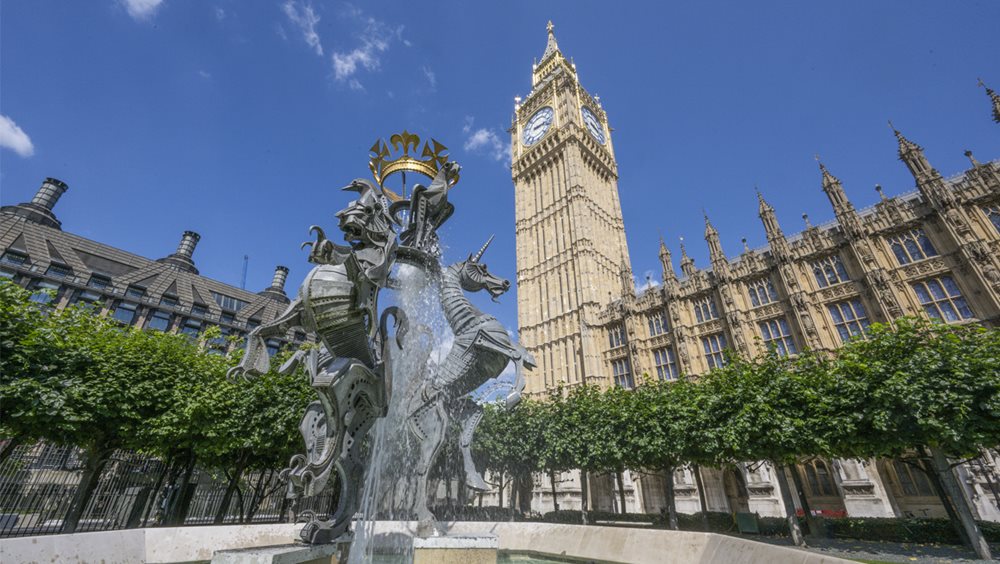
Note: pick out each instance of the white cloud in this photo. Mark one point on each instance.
(205, 74)
(14, 138)
(486, 141)
(431, 77)
(305, 18)
(469, 120)
(649, 281)
(375, 39)
(220, 14)
(141, 10)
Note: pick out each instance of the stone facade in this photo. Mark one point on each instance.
(166, 294)
(934, 251)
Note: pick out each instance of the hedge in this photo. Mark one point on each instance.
(893, 529)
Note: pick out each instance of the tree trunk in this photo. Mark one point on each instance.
(94, 463)
(513, 496)
(153, 499)
(257, 497)
(585, 496)
(621, 489)
(951, 494)
(176, 504)
(671, 500)
(786, 498)
(816, 527)
(500, 489)
(555, 498)
(696, 469)
(9, 446)
(227, 499)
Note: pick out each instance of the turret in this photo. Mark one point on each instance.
(715, 252)
(929, 180)
(666, 263)
(842, 207)
(39, 209)
(775, 237)
(995, 98)
(687, 263)
(182, 257)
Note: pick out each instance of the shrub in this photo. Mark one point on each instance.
(894, 529)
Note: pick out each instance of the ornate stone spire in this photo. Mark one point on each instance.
(551, 46)
(995, 97)
(687, 263)
(928, 179)
(714, 244)
(666, 262)
(907, 148)
(628, 283)
(769, 219)
(834, 191)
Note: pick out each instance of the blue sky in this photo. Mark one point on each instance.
(241, 120)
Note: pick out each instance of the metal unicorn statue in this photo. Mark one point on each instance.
(351, 371)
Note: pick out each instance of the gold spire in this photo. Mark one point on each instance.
(551, 46)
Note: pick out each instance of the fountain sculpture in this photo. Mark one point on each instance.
(358, 360)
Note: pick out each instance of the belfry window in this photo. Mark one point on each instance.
(942, 299)
(616, 336)
(623, 373)
(776, 334)
(666, 363)
(849, 318)
(829, 271)
(993, 214)
(911, 246)
(762, 292)
(705, 310)
(714, 345)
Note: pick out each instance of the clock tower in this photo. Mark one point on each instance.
(572, 258)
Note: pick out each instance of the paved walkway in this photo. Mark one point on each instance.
(873, 551)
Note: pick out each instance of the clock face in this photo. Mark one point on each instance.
(593, 124)
(537, 126)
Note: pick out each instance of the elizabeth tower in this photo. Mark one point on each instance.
(572, 258)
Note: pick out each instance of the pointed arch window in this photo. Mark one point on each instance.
(762, 292)
(705, 310)
(829, 271)
(911, 246)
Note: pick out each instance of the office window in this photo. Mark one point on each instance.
(125, 312)
(14, 258)
(829, 271)
(657, 323)
(704, 309)
(199, 309)
(623, 373)
(666, 363)
(58, 271)
(911, 246)
(616, 335)
(169, 301)
(714, 345)
(942, 299)
(762, 292)
(4, 273)
(159, 320)
(776, 333)
(273, 346)
(191, 327)
(228, 302)
(88, 297)
(850, 318)
(230, 318)
(44, 292)
(137, 292)
(99, 282)
(993, 214)
(251, 323)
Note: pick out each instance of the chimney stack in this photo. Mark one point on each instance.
(39, 209)
(277, 288)
(185, 250)
(49, 193)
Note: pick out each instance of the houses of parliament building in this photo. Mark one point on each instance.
(934, 251)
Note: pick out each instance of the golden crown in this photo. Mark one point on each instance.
(382, 167)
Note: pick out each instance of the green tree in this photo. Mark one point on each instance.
(928, 393)
(509, 443)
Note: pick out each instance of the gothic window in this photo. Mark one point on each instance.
(159, 320)
(762, 292)
(911, 246)
(829, 271)
(819, 479)
(666, 363)
(714, 345)
(850, 318)
(616, 335)
(776, 334)
(125, 312)
(942, 299)
(913, 481)
(993, 214)
(58, 271)
(657, 323)
(44, 291)
(623, 373)
(704, 309)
